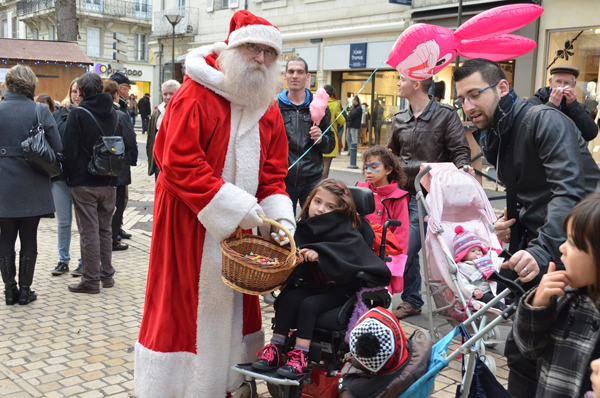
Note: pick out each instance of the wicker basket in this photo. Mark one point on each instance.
(251, 277)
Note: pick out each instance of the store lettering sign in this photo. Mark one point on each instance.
(402, 2)
(107, 70)
(358, 55)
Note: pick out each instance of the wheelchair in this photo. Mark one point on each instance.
(328, 350)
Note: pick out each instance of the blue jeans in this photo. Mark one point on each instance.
(300, 193)
(412, 271)
(64, 217)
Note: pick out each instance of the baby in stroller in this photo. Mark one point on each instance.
(335, 244)
(473, 267)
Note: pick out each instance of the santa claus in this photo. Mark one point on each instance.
(222, 154)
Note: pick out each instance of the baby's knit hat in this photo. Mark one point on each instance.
(377, 342)
(463, 242)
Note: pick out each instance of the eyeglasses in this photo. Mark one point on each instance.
(125, 85)
(254, 49)
(458, 104)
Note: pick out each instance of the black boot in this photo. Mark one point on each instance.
(7, 266)
(26, 268)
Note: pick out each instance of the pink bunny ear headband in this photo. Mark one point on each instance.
(340, 185)
(423, 50)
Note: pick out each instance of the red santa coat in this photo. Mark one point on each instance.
(217, 159)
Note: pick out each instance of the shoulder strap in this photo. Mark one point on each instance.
(96, 120)
(38, 118)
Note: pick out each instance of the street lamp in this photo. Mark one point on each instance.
(173, 20)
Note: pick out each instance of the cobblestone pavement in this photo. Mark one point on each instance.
(79, 345)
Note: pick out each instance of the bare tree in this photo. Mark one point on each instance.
(66, 20)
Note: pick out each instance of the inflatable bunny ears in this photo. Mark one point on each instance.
(423, 50)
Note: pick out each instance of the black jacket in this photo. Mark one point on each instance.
(125, 175)
(576, 112)
(553, 167)
(81, 133)
(437, 135)
(354, 117)
(60, 117)
(297, 126)
(144, 107)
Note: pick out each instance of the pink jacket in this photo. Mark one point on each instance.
(390, 202)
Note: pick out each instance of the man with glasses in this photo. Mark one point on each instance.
(222, 153)
(426, 131)
(304, 137)
(547, 169)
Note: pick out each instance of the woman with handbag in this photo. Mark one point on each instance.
(25, 193)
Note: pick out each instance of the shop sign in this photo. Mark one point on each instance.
(107, 70)
(358, 55)
(402, 2)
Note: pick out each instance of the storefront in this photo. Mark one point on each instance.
(141, 74)
(574, 41)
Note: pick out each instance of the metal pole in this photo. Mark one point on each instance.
(457, 59)
(173, 56)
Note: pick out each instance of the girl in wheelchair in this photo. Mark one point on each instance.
(334, 245)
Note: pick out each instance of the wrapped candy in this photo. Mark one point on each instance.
(262, 259)
(318, 105)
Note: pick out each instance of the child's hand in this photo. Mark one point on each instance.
(595, 377)
(552, 284)
(308, 254)
(477, 293)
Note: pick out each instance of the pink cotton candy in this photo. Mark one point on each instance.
(318, 105)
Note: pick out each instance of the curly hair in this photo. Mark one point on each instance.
(389, 160)
(346, 203)
(21, 79)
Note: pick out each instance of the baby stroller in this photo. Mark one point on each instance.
(328, 348)
(455, 198)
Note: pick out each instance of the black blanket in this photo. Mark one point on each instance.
(343, 251)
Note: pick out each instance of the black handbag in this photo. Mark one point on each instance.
(38, 153)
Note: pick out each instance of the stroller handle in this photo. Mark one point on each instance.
(420, 176)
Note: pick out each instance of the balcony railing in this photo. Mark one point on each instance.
(187, 26)
(141, 9)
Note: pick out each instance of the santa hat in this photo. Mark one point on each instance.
(377, 343)
(463, 242)
(246, 27)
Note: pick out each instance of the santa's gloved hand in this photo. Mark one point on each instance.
(279, 236)
(253, 218)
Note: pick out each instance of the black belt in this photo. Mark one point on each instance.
(11, 151)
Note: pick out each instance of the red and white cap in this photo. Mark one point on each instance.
(246, 27)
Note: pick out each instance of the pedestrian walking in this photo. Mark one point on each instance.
(25, 194)
(93, 195)
(60, 190)
(132, 108)
(145, 111)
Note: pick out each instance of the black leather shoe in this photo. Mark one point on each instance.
(124, 235)
(60, 269)
(120, 246)
(78, 272)
(81, 288)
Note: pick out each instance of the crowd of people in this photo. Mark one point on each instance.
(228, 148)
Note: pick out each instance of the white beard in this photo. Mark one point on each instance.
(255, 84)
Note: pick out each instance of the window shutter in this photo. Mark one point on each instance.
(234, 3)
(209, 5)
(93, 42)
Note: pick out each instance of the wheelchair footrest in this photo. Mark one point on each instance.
(270, 377)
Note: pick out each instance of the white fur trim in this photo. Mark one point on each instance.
(259, 34)
(225, 211)
(276, 207)
(164, 374)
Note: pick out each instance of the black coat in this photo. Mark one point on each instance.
(576, 112)
(553, 167)
(297, 125)
(81, 134)
(144, 107)
(24, 192)
(354, 117)
(60, 117)
(125, 175)
(343, 251)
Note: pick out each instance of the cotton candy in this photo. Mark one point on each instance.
(318, 105)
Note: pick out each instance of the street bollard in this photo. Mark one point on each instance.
(353, 150)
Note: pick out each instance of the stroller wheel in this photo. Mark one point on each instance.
(492, 338)
(422, 335)
(247, 390)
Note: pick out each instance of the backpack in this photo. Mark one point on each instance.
(108, 153)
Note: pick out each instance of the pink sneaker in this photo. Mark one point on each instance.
(295, 366)
(270, 358)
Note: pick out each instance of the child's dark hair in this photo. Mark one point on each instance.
(339, 189)
(389, 160)
(585, 233)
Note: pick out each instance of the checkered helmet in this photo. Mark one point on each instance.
(377, 342)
